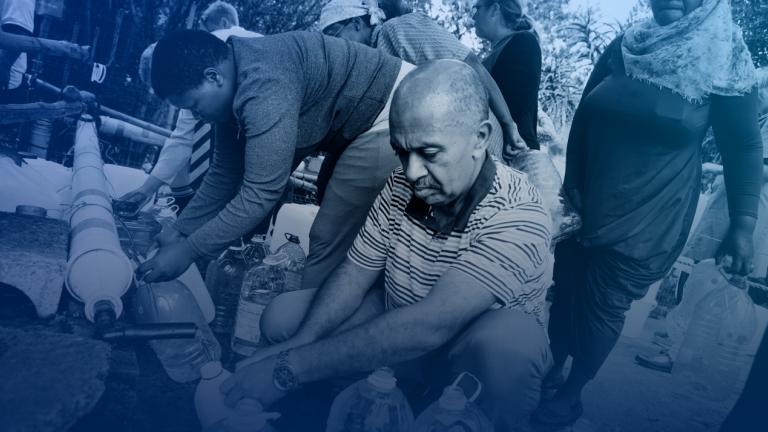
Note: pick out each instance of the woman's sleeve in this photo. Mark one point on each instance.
(734, 122)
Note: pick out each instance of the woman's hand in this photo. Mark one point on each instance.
(737, 248)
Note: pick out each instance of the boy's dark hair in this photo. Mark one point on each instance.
(180, 59)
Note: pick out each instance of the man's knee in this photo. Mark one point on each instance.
(282, 317)
(506, 334)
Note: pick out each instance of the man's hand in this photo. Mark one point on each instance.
(169, 263)
(253, 382)
(737, 245)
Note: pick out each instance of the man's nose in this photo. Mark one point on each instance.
(414, 168)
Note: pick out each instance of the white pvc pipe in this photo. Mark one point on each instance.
(97, 269)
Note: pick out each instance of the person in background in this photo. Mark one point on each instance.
(514, 61)
(463, 244)
(16, 17)
(185, 156)
(633, 170)
(275, 100)
(416, 38)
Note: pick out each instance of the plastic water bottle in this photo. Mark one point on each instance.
(173, 302)
(224, 279)
(209, 401)
(454, 412)
(215, 415)
(374, 404)
(296, 260)
(261, 284)
(705, 276)
(715, 349)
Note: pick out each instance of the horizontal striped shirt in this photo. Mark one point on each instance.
(417, 39)
(504, 244)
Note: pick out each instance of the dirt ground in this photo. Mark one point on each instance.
(626, 397)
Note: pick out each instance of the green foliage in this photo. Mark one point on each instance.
(752, 16)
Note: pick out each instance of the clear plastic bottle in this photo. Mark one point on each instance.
(173, 302)
(454, 412)
(224, 279)
(374, 404)
(705, 277)
(296, 260)
(261, 284)
(714, 353)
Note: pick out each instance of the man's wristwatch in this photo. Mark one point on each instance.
(283, 375)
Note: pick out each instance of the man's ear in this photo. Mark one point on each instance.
(483, 138)
(213, 75)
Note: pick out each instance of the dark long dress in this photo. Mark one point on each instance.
(634, 159)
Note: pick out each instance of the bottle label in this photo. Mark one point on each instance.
(247, 326)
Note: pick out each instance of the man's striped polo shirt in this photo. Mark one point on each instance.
(501, 239)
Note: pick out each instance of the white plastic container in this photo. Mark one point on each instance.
(374, 404)
(209, 401)
(454, 412)
(172, 302)
(215, 415)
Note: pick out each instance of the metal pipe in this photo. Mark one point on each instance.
(106, 110)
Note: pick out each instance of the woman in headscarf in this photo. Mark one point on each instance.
(514, 61)
(415, 38)
(633, 169)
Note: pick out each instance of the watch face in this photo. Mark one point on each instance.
(283, 377)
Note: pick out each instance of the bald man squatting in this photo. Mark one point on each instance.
(463, 243)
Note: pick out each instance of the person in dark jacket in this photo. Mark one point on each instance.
(514, 61)
(633, 170)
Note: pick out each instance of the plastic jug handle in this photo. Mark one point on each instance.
(477, 382)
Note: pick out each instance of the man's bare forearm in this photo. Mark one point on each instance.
(394, 337)
(336, 301)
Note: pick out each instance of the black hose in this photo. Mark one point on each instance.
(150, 331)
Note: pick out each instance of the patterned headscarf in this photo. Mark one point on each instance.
(702, 53)
(340, 10)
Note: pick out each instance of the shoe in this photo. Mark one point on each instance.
(661, 362)
(547, 417)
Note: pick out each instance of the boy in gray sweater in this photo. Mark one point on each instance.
(273, 101)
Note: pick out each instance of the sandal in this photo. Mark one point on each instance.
(661, 362)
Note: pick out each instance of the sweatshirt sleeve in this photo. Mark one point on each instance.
(268, 112)
(734, 122)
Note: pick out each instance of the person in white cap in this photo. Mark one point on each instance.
(416, 38)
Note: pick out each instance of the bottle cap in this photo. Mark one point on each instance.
(383, 380)
(453, 399)
(210, 370)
